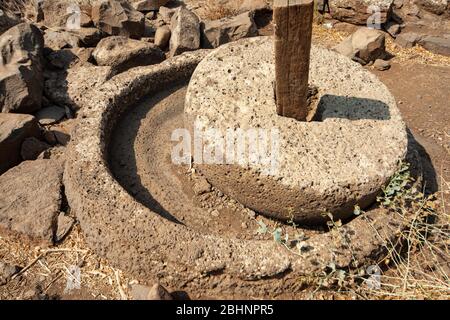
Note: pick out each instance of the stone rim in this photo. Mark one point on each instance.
(138, 240)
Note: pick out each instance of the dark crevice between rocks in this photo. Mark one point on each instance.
(59, 231)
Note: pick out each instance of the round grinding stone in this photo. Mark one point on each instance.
(286, 168)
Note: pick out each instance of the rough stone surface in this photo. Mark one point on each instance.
(67, 88)
(381, 65)
(50, 115)
(218, 32)
(148, 5)
(437, 7)
(21, 61)
(6, 272)
(6, 22)
(54, 153)
(341, 159)
(166, 14)
(67, 58)
(255, 5)
(155, 245)
(121, 53)
(64, 225)
(57, 40)
(407, 39)
(32, 148)
(63, 131)
(89, 37)
(364, 46)
(436, 44)
(156, 292)
(118, 18)
(162, 36)
(14, 129)
(201, 186)
(424, 22)
(151, 25)
(393, 29)
(358, 11)
(59, 13)
(30, 199)
(185, 28)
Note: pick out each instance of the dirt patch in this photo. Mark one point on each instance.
(423, 96)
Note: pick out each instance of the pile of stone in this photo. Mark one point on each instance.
(366, 46)
(49, 63)
(410, 22)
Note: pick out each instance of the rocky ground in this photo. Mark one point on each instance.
(54, 53)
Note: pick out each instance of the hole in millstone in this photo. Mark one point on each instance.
(140, 159)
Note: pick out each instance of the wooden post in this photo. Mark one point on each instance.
(293, 32)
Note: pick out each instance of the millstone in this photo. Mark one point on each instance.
(309, 169)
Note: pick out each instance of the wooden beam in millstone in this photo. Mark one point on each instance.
(293, 31)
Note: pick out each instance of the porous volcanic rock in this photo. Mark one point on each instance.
(60, 13)
(32, 148)
(156, 292)
(166, 14)
(7, 21)
(67, 58)
(364, 46)
(341, 159)
(21, 63)
(14, 129)
(407, 39)
(121, 53)
(381, 65)
(437, 7)
(149, 244)
(436, 44)
(64, 225)
(30, 199)
(148, 5)
(118, 18)
(57, 40)
(50, 115)
(185, 27)
(162, 36)
(218, 32)
(89, 37)
(360, 11)
(6, 272)
(423, 22)
(68, 87)
(255, 5)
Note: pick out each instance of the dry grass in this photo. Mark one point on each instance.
(416, 265)
(49, 270)
(416, 54)
(13, 6)
(419, 263)
(216, 9)
(331, 37)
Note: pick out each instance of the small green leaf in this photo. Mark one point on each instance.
(277, 235)
(262, 227)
